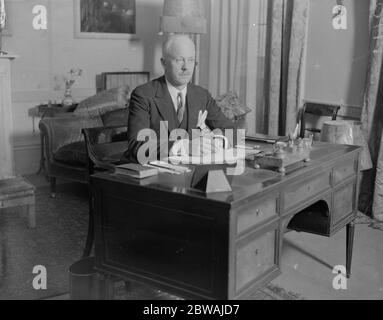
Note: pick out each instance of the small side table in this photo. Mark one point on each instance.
(16, 192)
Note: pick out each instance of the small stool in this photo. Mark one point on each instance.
(18, 191)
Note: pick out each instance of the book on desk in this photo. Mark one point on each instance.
(135, 170)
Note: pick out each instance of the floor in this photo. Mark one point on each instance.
(308, 261)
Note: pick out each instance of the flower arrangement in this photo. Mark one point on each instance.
(70, 80)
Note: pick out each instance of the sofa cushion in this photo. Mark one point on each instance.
(115, 118)
(107, 100)
(231, 106)
(72, 154)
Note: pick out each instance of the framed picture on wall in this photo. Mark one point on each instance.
(106, 19)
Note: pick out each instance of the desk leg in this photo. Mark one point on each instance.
(350, 228)
(90, 235)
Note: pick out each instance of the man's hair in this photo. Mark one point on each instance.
(166, 45)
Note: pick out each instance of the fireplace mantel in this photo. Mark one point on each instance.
(8, 56)
(6, 121)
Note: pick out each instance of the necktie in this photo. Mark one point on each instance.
(180, 107)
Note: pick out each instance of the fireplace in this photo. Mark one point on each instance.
(6, 121)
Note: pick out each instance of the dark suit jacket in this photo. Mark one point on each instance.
(151, 103)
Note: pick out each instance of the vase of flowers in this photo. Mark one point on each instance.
(69, 81)
(68, 100)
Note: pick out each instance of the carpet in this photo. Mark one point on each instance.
(57, 242)
(138, 291)
(372, 223)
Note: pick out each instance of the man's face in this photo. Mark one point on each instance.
(179, 63)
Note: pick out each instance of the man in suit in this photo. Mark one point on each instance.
(172, 102)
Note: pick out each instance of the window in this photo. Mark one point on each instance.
(237, 42)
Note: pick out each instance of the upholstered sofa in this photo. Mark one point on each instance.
(63, 142)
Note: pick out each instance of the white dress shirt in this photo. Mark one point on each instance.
(174, 92)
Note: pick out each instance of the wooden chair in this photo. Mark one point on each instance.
(105, 147)
(317, 109)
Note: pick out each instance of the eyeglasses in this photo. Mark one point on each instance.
(182, 61)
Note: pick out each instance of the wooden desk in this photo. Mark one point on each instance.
(221, 245)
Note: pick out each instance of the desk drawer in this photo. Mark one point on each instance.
(344, 170)
(253, 213)
(254, 258)
(300, 192)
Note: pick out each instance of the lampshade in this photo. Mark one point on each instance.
(183, 16)
(2, 15)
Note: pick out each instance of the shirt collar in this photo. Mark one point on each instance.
(174, 91)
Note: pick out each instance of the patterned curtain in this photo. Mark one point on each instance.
(371, 191)
(287, 32)
(256, 48)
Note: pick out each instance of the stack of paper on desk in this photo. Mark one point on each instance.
(229, 156)
(258, 137)
(249, 150)
(164, 166)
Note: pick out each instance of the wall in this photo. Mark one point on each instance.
(46, 54)
(336, 60)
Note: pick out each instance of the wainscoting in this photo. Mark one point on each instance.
(27, 159)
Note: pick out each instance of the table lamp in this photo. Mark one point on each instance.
(185, 16)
